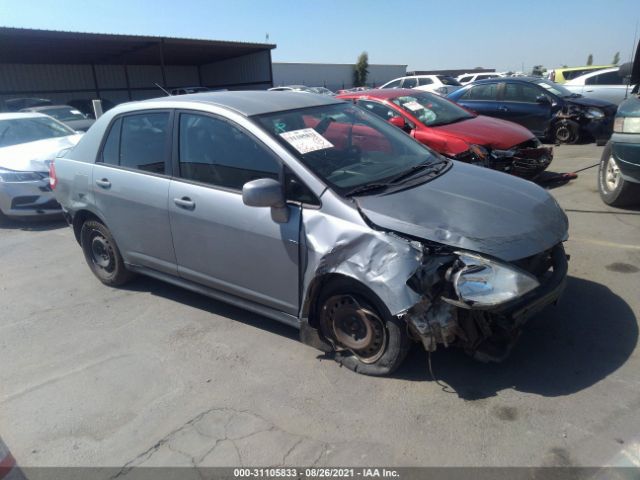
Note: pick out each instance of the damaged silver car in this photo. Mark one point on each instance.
(316, 213)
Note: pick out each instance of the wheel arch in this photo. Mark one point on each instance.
(80, 217)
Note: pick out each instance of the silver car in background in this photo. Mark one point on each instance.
(28, 143)
(606, 84)
(314, 212)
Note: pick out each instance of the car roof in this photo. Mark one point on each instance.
(594, 73)
(508, 80)
(248, 102)
(590, 67)
(18, 115)
(381, 93)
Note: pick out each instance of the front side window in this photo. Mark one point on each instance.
(609, 78)
(346, 146)
(393, 84)
(216, 152)
(465, 79)
(425, 81)
(484, 92)
(143, 141)
(378, 109)
(445, 80)
(431, 110)
(521, 92)
(31, 129)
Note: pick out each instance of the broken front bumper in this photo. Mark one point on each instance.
(526, 160)
(489, 333)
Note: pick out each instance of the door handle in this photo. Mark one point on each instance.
(503, 108)
(103, 183)
(185, 202)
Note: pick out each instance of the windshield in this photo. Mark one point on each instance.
(22, 130)
(449, 81)
(554, 88)
(346, 146)
(64, 114)
(431, 109)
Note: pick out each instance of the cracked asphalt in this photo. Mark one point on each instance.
(155, 375)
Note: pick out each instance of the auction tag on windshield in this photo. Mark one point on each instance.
(413, 106)
(306, 140)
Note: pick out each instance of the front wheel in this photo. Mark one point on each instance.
(102, 254)
(615, 190)
(366, 338)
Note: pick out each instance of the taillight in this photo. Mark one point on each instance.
(53, 180)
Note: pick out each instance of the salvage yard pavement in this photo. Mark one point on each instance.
(155, 375)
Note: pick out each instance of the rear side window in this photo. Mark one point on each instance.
(138, 142)
(215, 152)
(424, 81)
(410, 83)
(486, 92)
(466, 79)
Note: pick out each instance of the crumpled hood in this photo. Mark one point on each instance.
(31, 157)
(488, 132)
(473, 208)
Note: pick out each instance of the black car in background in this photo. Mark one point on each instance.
(549, 110)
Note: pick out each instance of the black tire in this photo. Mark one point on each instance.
(615, 190)
(396, 343)
(3, 219)
(102, 254)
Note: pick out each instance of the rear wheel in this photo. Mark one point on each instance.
(102, 254)
(615, 190)
(366, 338)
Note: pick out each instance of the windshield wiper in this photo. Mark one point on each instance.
(420, 166)
(366, 188)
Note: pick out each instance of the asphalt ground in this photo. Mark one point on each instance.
(155, 375)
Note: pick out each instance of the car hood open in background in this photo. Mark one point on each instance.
(475, 209)
(32, 156)
(488, 131)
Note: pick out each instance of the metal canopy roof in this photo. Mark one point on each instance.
(18, 45)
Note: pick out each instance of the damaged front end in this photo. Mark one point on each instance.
(479, 304)
(526, 160)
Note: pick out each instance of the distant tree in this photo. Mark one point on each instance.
(616, 58)
(361, 70)
(590, 59)
(565, 66)
(538, 71)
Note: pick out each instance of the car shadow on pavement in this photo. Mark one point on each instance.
(564, 349)
(215, 307)
(33, 225)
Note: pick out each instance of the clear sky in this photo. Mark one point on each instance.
(422, 34)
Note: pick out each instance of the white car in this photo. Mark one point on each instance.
(28, 144)
(472, 77)
(440, 84)
(605, 84)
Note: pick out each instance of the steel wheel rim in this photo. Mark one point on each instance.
(356, 328)
(102, 253)
(612, 174)
(563, 133)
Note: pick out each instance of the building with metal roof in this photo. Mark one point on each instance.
(66, 66)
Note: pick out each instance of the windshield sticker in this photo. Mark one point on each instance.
(413, 106)
(306, 140)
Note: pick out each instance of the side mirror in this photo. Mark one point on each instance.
(266, 192)
(401, 123)
(543, 100)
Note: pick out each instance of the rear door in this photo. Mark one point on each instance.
(519, 103)
(131, 185)
(482, 98)
(219, 241)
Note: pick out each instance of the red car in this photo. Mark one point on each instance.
(456, 132)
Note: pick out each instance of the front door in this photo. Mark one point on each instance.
(219, 241)
(520, 104)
